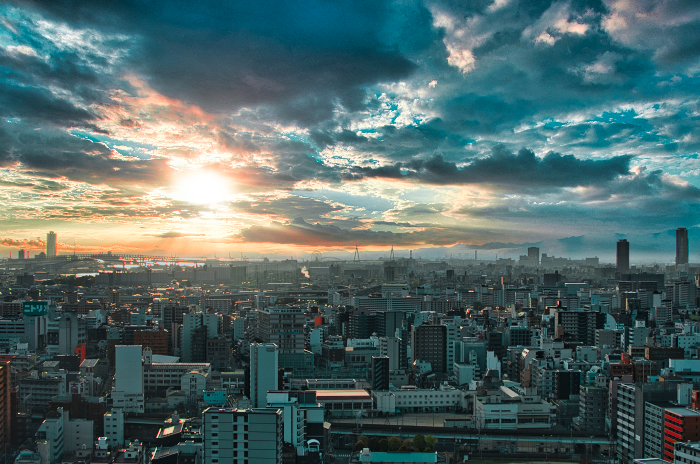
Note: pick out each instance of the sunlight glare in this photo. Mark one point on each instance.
(202, 188)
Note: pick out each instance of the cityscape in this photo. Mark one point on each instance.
(350, 232)
(110, 358)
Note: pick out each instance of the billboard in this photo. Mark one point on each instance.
(35, 308)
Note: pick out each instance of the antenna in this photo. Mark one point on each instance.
(356, 257)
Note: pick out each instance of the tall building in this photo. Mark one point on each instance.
(243, 436)
(630, 418)
(263, 372)
(283, 326)
(680, 425)
(579, 324)
(592, 403)
(379, 373)
(623, 255)
(681, 246)
(128, 375)
(51, 244)
(429, 343)
(5, 403)
(533, 254)
(20, 254)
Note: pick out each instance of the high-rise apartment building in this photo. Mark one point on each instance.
(283, 326)
(263, 372)
(681, 246)
(243, 436)
(51, 244)
(429, 343)
(680, 425)
(623, 255)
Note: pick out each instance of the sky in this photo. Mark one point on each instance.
(284, 129)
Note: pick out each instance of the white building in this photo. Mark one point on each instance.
(128, 375)
(301, 414)
(127, 393)
(410, 399)
(509, 410)
(194, 383)
(64, 435)
(114, 427)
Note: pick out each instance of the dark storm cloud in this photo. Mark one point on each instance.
(400, 143)
(38, 105)
(523, 169)
(53, 153)
(222, 56)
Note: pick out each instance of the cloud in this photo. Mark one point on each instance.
(34, 244)
(508, 170)
(175, 234)
(669, 28)
(302, 233)
(222, 57)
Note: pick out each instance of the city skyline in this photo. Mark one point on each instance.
(209, 129)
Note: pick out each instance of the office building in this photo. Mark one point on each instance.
(263, 372)
(51, 245)
(242, 436)
(681, 246)
(623, 256)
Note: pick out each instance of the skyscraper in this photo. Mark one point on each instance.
(681, 246)
(51, 244)
(263, 372)
(533, 254)
(623, 255)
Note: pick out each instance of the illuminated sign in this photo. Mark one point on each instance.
(34, 308)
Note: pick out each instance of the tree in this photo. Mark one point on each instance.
(373, 444)
(394, 443)
(430, 442)
(406, 445)
(362, 442)
(419, 442)
(383, 445)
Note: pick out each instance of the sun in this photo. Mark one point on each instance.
(201, 188)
